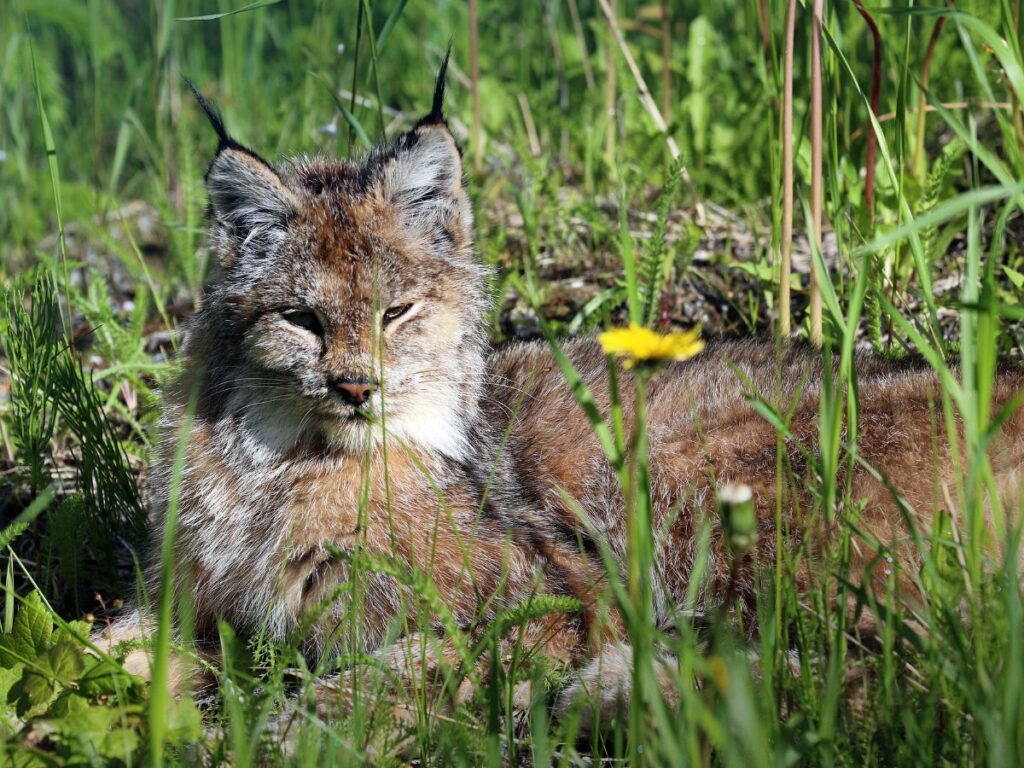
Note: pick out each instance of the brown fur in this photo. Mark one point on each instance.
(462, 473)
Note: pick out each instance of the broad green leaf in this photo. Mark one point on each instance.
(119, 743)
(94, 729)
(32, 633)
(32, 692)
(8, 677)
(75, 631)
(185, 723)
(79, 718)
(63, 662)
(103, 678)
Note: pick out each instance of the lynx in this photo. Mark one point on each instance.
(339, 400)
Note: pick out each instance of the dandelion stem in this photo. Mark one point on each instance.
(639, 556)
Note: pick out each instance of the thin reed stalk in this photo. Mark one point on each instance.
(876, 99)
(817, 145)
(920, 164)
(765, 27)
(786, 265)
(1014, 37)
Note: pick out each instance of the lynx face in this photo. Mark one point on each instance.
(350, 296)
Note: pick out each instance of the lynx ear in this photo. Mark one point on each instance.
(425, 171)
(422, 176)
(424, 182)
(250, 201)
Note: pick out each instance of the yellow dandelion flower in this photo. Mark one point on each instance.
(640, 344)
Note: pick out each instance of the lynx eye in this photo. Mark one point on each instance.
(304, 318)
(393, 313)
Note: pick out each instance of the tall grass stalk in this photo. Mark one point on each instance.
(53, 166)
(160, 695)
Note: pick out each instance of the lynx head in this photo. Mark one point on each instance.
(350, 299)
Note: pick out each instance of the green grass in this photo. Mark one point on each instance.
(95, 117)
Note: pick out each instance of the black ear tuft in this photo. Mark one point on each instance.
(224, 140)
(213, 116)
(437, 107)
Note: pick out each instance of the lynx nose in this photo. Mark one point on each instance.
(354, 391)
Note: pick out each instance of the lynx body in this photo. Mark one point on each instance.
(339, 400)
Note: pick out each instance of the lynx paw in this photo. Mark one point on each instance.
(603, 687)
(184, 674)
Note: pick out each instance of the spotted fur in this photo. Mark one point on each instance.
(462, 462)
